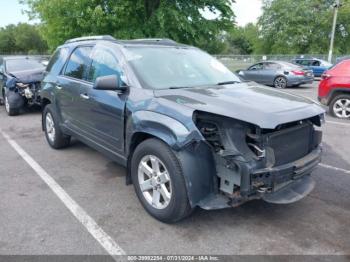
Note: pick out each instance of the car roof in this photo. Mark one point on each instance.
(133, 42)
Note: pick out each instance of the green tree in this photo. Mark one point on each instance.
(182, 20)
(21, 38)
(297, 27)
(243, 40)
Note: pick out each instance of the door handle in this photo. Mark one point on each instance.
(59, 87)
(84, 96)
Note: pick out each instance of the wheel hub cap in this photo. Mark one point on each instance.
(50, 127)
(7, 104)
(154, 182)
(341, 108)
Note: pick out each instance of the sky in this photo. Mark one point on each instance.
(246, 11)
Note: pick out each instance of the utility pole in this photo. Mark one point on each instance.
(336, 7)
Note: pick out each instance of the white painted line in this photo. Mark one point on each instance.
(337, 123)
(88, 222)
(335, 168)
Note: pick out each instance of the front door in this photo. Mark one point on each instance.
(254, 73)
(102, 112)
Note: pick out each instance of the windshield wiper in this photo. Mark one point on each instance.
(179, 87)
(228, 83)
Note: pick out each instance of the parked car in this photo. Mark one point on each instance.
(334, 90)
(318, 66)
(189, 132)
(20, 82)
(278, 74)
(340, 59)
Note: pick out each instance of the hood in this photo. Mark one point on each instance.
(248, 102)
(29, 76)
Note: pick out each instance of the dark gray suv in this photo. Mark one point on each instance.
(189, 132)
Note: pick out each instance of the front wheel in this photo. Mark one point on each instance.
(159, 182)
(9, 108)
(53, 133)
(280, 82)
(340, 106)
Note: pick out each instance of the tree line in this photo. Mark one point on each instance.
(285, 27)
(22, 39)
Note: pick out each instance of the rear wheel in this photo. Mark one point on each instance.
(280, 82)
(9, 109)
(340, 106)
(53, 133)
(159, 182)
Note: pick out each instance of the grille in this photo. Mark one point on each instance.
(291, 144)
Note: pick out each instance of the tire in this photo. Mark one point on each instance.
(280, 82)
(9, 109)
(340, 106)
(154, 152)
(53, 133)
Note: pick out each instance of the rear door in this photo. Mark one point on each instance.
(102, 112)
(269, 73)
(68, 87)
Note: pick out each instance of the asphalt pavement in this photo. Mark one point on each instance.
(50, 200)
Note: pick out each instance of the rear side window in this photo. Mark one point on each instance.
(103, 64)
(272, 66)
(78, 63)
(57, 61)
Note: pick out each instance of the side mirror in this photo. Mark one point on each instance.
(111, 82)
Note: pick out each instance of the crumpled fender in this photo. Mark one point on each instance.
(168, 129)
(11, 83)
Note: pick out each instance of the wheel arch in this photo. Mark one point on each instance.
(336, 92)
(194, 155)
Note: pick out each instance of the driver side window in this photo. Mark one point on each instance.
(103, 64)
(256, 67)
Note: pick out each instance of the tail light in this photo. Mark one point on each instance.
(298, 73)
(325, 76)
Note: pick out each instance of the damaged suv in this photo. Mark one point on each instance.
(188, 130)
(20, 79)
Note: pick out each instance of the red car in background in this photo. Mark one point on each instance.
(334, 90)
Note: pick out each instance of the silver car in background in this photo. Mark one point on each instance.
(278, 74)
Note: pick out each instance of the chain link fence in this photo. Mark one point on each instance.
(236, 62)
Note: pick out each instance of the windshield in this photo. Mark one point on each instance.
(169, 67)
(17, 65)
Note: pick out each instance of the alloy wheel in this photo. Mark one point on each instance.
(341, 108)
(7, 105)
(50, 127)
(154, 182)
(280, 82)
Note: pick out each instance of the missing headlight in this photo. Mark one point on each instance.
(211, 133)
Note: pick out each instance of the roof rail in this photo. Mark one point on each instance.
(163, 40)
(91, 38)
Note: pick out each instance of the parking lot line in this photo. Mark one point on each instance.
(337, 123)
(335, 168)
(88, 222)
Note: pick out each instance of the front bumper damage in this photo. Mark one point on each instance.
(283, 185)
(19, 93)
(273, 165)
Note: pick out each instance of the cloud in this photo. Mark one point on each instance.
(247, 11)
